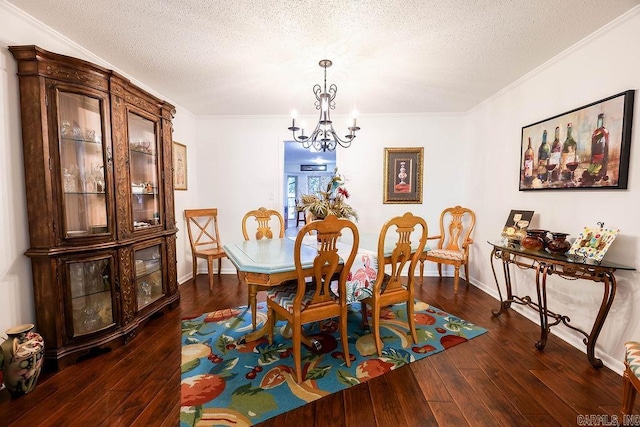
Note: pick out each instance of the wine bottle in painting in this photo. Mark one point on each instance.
(569, 152)
(543, 157)
(600, 148)
(554, 157)
(528, 164)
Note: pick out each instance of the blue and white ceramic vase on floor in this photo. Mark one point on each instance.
(21, 359)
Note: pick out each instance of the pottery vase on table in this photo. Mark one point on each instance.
(535, 240)
(22, 354)
(558, 243)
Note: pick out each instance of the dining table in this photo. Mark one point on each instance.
(270, 262)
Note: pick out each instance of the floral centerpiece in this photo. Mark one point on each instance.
(329, 202)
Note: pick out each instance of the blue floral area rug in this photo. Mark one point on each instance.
(226, 381)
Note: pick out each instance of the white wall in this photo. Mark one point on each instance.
(604, 64)
(16, 292)
(185, 132)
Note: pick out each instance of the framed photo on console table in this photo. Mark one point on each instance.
(403, 175)
(585, 148)
(515, 229)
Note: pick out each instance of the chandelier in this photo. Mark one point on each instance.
(324, 137)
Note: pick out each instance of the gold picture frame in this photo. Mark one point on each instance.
(403, 175)
(179, 166)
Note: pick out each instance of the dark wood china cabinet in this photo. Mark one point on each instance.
(99, 184)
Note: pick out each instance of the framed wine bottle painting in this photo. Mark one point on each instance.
(585, 148)
(403, 175)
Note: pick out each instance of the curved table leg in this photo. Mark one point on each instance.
(503, 305)
(609, 282)
(541, 290)
(507, 279)
(253, 303)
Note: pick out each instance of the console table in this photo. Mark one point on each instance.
(546, 264)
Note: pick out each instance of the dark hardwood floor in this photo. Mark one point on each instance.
(498, 378)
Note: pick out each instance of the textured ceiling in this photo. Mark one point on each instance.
(261, 57)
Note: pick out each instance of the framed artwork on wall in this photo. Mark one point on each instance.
(585, 148)
(179, 166)
(402, 175)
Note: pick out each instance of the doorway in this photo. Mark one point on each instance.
(292, 197)
(298, 181)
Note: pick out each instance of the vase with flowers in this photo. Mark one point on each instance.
(332, 201)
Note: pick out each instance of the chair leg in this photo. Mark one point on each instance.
(466, 271)
(271, 315)
(628, 395)
(412, 320)
(195, 268)
(440, 270)
(219, 266)
(297, 340)
(456, 278)
(210, 272)
(375, 317)
(365, 319)
(421, 271)
(345, 335)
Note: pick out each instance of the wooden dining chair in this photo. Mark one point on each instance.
(301, 217)
(261, 230)
(262, 217)
(313, 300)
(389, 289)
(456, 226)
(202, 227)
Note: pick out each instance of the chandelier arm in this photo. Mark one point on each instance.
(329, 145)
(343, 143)
(317, 91)
(333, 91)
(307, 141)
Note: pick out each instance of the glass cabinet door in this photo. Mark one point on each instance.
(144, 166)
(91, 283)
(82, 165)
(148, 273)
